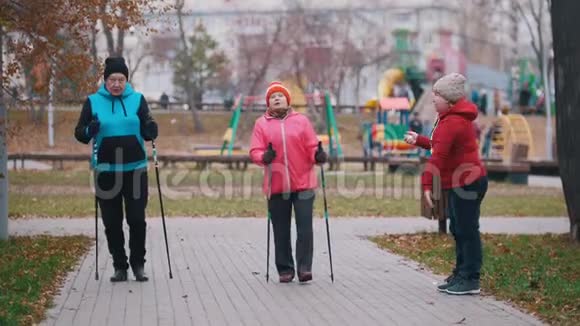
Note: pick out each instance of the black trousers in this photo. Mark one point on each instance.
(464, 211)
(280, 206)
(130, 188)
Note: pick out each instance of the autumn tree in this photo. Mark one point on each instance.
(54, 38)
(197, 64)
(567, 71)
(186, 68)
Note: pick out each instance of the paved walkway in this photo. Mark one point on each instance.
(218, 278)
(544, 181)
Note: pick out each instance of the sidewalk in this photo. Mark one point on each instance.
(218, 278)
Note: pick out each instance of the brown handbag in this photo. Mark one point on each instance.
(440, 197)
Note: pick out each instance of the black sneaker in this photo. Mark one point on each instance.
(446, 283)
(119, 276)
(139, 273)
(462, 287)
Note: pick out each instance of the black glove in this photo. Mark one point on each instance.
(93, 127)
(269, 155)
(150, 131)
(320, 156)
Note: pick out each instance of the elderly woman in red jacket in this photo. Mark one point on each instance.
(292, 156)
(455, 158)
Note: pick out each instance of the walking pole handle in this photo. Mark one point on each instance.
(154, 153)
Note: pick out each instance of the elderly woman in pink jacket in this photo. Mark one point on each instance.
(293, 155)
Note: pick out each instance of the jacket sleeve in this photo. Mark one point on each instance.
(145, 117)
(440, 154)
(258, 144)
(310, 141)
(423, 142)
(81, 132)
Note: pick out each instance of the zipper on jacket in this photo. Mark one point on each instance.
(433, 131)
(285, 155)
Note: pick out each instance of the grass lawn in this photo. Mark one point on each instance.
(538, 273)
(68, 193)
(31, 269)
(82, 205)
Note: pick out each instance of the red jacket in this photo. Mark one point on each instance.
(454, 149)
(295, 142)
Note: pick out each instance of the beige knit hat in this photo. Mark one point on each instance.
(451, 87)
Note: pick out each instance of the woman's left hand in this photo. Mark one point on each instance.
(428, 198)
(320, 157)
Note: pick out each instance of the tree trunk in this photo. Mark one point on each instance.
(94, 54)
(3, 154)
(567, 72)
(120, 43)
(197, 125)
(357, 109)
(108, 35)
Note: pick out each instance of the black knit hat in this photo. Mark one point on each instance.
(114, 65)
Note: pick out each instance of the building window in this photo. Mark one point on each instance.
(403, 17)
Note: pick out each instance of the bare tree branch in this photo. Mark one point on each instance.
(531, 30)
(179, 8)
(268, 60)
(133, 68)
(106, 29)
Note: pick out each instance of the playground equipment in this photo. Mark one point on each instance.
(331, 139)
(385, 136)
(509, 138)
(229, 138)
(299, 97)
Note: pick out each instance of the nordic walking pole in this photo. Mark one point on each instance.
(326, 215)
(96, 211)
(269, 217)
(161, 204)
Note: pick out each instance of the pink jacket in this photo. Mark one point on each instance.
(295, 143)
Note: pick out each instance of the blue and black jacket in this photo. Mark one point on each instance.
(120, 142)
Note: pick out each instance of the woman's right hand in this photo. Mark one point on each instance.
(93, 127)
(269, 155)
(411, 137)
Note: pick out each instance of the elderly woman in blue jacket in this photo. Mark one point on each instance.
(117, 119)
